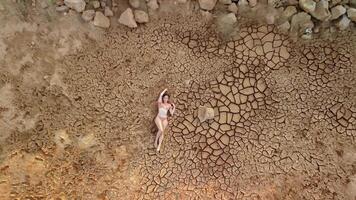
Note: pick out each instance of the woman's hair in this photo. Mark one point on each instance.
(165, 94)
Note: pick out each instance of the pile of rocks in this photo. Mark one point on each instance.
(136, 14)
(95, 11)
(303, 17)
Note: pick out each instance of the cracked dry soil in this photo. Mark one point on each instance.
(284, 125)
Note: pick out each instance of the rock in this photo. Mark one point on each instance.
(134, 3)
(1, 7)
(301, 21)
(77, 5)
(353, 3)
(101, 20)
(108, 12)
(88, 15)
(292, 2)
(284, 27)
(207, 4)
(232, 8)
(289, 12)
(272, 3)
(337, 11)
(321, 11)
(141, 16)
(206, 15)
(228, 19)
(43, 4)
(225, 2)
(242, 3)
(270, 16)
(252, 3)
(205, 113)
(127, 18)
(307, 5)
(351, 13)
(96, 4)
(103, 4)
(62, 8)
(152, 4)
(343, 23)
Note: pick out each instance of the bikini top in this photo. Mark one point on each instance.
(162, 112)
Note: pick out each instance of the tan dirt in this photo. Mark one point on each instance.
(77, 105)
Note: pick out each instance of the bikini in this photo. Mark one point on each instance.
(162, 113)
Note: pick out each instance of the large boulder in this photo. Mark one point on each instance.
(101, 20)
(321, 11)
(343, 23)
(141, 16)
(77, 5)
(127, 18)
(205, 113)
(351, 13)
(337, 11)
(207, 4)
(307, 5)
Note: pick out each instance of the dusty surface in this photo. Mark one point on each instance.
(77, 105)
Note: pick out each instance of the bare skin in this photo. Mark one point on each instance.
(161, 119)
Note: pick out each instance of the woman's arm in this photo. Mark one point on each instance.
(172, 109)
(160, 96)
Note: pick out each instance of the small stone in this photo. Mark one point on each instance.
(252, 3)
(353, 3)
(351, 13)
(127, 18)
(141, 16)
(272, 3)
(108, 12)
(337, 11)
(88, 15)
(134, 3)
(103, 4)
(307, 5)
(225, 2)
(43, 4)
(207, 4)
(343, 23)
(232, 8)
(242, 3)
(62, 8)
(77, 5)
(270, 17)
(284, 27)
(152, 4)
(205, 113)
(101, 20)
(335, 2)
(321, 11)
(228, 19)
(289, 12)
(96, 4)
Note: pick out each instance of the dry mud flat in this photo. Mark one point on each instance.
(76, 117)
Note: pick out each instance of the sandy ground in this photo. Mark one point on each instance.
(77, 105)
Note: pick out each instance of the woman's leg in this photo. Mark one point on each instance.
(159, 125)
(160, 139)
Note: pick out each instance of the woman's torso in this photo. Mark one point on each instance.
(163, 110)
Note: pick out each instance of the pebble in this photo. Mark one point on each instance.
(108, 12)
(134, 3)
(351, 13)
(127, 18)
(225, 2)
(101, 20)
(141, 16)
(301, 20)
(284, 27)
(207, 4)
(205, 113)
(77, 5)
(343, 23)
(337, 11)
(88, 15)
